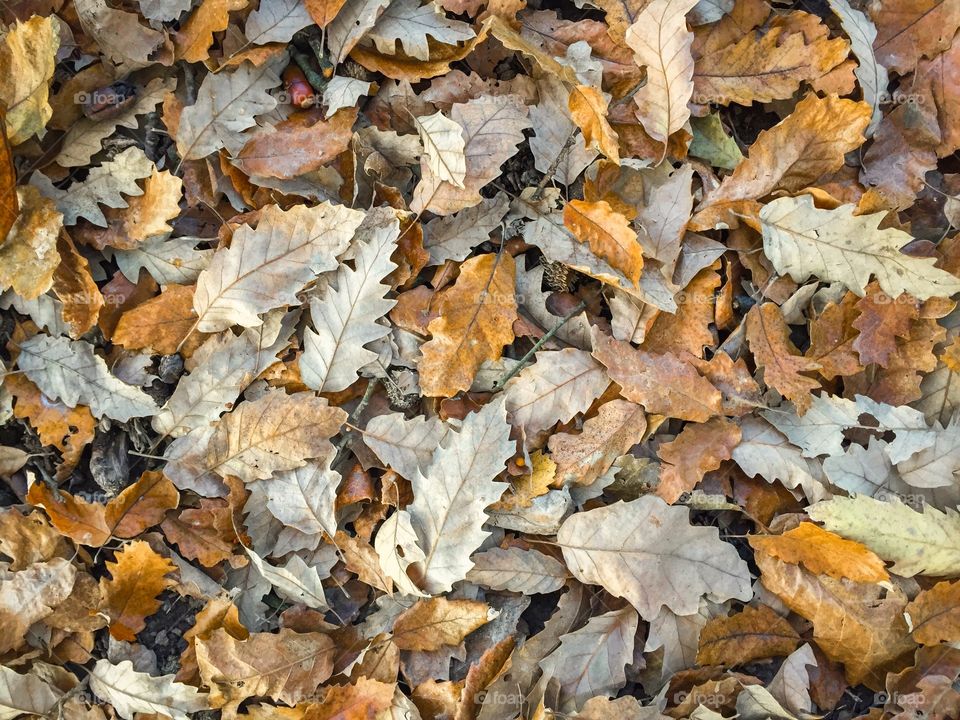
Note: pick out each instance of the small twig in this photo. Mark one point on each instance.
(581, 306)
(541, 186)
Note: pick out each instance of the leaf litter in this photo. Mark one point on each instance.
(480, 360)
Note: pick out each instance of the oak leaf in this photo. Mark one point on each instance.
(871, 74)
(782, 363)
(559, 385)
(25, 694)
(853, 623)
(581, 459)
(104, 185)
(617, 545)
(822, 553)
(661, 41)
(28, 56)
(276, 21)
(926, 542)
(137, 577)
(286, 667)
(517, 570)
(475, 321)
(131, 692)
(590, 661)
(293, 246)
(697, 450)
(29, 595)
(662, 383)
(223, 367)
(808, 143)
(301, 144)
(588, 109)
(764, 67)
(443, 146)
(226, 105)
(161, 324)
(838, 246)
(753, 634)
(908, 30)
(28, 256)
(68, 370)
(430, 624)
(447, 514)
(492, 129)
(345, 318)
(410, 23)
(608, 234)
(934, 614)
(195, 36)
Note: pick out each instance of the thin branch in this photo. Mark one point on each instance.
(581, 306)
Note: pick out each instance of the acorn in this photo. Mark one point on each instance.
(298, 89)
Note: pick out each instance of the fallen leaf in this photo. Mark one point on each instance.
(753, 634)
(137, 577)
(822, 553)
(430, 624)
(475, 321)
(614, 546)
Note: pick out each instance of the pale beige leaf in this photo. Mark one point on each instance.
(871, 74)
(405, 444)
(70, 371)
(226, 105)
(223, 366)
(447, 512)
(104, 185)
(25, 694)
(411, 23)
(443, 146)
(265, 268)
(590, 661)
(346, 316)
(648, 552)
(29, 595)
(276, 21)
(131, 692)
(661, 41)
(559, 385)
(492, 129)
(838, 246)
(517, 570)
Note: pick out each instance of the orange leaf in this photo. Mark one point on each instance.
(664, 384)
(138, 576)
(323, 11)
(935, 614)
(302, 143)
(822, 553)
(161, 323)
(431, 624)
(365, 699)
(475, 321)
(588, 109)
(754, 634)
(207, 534)
(67, 429)
(608, 234)
(769, 339)
(696, 450)
(860, 625)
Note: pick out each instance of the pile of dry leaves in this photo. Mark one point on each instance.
(480, 359)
